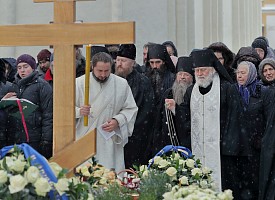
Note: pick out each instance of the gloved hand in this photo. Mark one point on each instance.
(46, 149)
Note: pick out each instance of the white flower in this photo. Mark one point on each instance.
(168, 196)
(142, 168)
(32, 174)
(42, 186)
(56, 168)
(62, 186)
(196, 171)
(163, 163)
(157, 159)
(184, 180)
(3, 176)
(182, 162)
(17, 183)
(103, 181)
(74, 180)
(90, 197)
(18, 166)
(206, 170)
(171, 171)
(177, 156)
(229, 195)
(98, 172)
(145, 173)
(203, 184)
(190, 163)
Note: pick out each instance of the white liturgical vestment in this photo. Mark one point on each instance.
(111, 99)
(205, 128)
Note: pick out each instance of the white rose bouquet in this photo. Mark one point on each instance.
(182, 170)
(20, 180)
(196, 192)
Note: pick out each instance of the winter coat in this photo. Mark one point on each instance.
(253, 120)
(10, 76)
(135, 150)
(40, 122)
(246, 54)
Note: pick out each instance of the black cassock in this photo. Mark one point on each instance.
(229, 127)
(267, 164)
(136, 150)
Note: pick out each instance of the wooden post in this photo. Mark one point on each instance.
(64, 34)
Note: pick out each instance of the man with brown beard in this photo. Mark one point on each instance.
(172, 96)
(210, 116)
(160, 71)
(135, 150)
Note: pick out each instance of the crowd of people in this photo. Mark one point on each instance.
(217, 103)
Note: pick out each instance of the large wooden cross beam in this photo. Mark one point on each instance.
(64, 34)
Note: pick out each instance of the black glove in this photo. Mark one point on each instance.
(46, 149)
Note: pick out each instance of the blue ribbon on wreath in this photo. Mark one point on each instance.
(36, 160)
(185, 152)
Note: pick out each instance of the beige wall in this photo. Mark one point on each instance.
(188, 23)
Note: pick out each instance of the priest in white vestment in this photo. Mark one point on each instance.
(208, 109)
(112, 111)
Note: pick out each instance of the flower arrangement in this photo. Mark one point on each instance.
(195, 192)
(96, 175)
(20, 180)
(182, 171)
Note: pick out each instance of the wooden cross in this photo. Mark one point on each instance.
(64, 34)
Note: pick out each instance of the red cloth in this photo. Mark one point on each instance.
(48, 75)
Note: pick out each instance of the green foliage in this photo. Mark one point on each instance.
(154, 185)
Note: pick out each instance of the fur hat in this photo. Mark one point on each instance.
(260, 43)
(127, 50)
(26, 58)
(44, 54)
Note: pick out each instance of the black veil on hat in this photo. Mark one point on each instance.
(159, 51)
(207, 58)
(127, 50)
(97, 49)
(185, 64)
(2, 71)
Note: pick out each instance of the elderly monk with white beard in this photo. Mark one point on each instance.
(210, 117)
(174, 95)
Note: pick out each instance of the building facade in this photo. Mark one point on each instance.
(188, 23)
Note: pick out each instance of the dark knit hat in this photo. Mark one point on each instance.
(127, 50)
(44, 54)
(25, 58)
(260, 43)
(185, 64)
(97, 49)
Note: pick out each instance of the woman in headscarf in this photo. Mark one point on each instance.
(256, 102)
(267, 72)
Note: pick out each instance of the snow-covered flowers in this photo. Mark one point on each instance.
(20, 180)
(195, 192)
(182, 171)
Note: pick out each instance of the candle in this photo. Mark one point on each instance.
(87, 80)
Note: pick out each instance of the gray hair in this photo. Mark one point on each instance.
(101, 57)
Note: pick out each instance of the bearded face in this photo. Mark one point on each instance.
(156, 77)
(183, 81)
(204, 76)
(179, 89)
